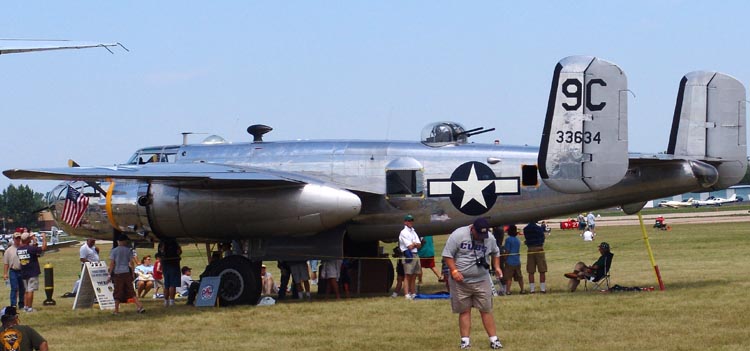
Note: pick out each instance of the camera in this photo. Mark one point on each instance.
(482, 262)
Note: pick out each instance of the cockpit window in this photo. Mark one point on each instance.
(153, 155)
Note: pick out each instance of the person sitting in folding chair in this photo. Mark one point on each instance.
(598, 272)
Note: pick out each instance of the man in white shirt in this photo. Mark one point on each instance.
(89, 252)
(591, 222)
(409, 243)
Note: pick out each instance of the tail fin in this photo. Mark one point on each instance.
(584, 143)
(709, 124)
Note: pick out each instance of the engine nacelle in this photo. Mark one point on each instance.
(241, 213)
(134, 207)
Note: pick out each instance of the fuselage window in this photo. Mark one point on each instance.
(529, 175)
(403, 183)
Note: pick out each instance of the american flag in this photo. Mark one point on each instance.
(75, 206)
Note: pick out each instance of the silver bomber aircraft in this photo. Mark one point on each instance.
(296, 200)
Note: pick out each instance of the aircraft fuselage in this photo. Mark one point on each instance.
(389, 179)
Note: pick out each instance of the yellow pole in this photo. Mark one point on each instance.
(650, 253)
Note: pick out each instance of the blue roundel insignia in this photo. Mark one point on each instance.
(473, 188)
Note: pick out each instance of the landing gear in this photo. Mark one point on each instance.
(240, 280)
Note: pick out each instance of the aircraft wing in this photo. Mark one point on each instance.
(207, 173)
(14, 46)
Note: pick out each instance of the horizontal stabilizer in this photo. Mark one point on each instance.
(709, 124)
(584, 142)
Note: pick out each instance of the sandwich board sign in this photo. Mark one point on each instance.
(94, 287)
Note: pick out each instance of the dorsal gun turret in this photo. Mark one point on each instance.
(448, 133)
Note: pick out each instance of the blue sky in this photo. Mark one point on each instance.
(336, 69)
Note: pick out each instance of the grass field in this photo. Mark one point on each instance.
(704, 307)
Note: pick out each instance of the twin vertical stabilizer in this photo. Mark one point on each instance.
(584, 143)
(709, 124)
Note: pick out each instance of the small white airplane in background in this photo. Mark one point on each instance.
(677, 204)
(717, 201)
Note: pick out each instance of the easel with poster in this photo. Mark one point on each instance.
(94, 287)
(208, 292)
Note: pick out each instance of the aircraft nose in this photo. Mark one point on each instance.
(93, 221)
(56, 200)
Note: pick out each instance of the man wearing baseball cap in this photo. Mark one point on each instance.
(28, 254)
(12, 272)
(465, 254)
(594, 272)
(409, 243)
(19, 337)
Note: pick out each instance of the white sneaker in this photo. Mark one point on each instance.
(465, 345)
(395, 294)
(496, 345)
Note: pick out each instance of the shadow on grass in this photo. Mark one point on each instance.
(697, 284)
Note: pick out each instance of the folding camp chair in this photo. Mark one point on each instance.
(598, 282)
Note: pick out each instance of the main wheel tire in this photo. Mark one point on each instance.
(239, 282)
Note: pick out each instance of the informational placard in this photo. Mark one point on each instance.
(94, 287)
(208, 292)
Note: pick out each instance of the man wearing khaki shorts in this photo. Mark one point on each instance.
(408, 240)
(465, 254)
(535, 259)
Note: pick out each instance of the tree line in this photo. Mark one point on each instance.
(19, 207)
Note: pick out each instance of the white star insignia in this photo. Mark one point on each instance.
(473, 188)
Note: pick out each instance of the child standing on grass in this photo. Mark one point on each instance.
(513, 262)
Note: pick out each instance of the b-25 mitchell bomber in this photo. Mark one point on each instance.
(297, 200)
